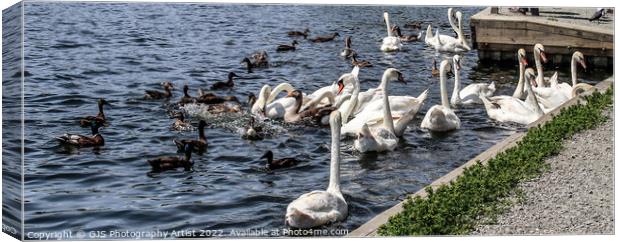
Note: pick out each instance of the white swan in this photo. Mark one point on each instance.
(275, 109)
(321, 207)
(336, 88)
(519, 93)
(261, 101)
(403, 108)
(565, 88)
(511, 109)
(472, 92)
(373, 94)
(539, 53)
(446, 43)
(391, 42)
(380, 138)
(441, 118)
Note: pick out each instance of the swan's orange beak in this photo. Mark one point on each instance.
(583, 64)
(340, 87)
(543, 56)
(524, 61)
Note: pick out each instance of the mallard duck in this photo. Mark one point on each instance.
(279, 163)
(405, 38)
(347, 52)
(434, 71)
(298, 33)
(200, 144)
(361, 64)
(84, 141)
(100, 118)
(153, 94)
(252, 132)
(257, 60)
(166, 163)
(414, 25)
(186, 97)
(288, 47)
(321, 39)
(210, 98)
(227, 84)
(180, 124)
(224, 108)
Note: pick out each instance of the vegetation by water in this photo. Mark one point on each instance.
(454, 208)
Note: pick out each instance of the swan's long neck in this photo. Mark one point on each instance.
(442, 85)
(386, 16)
(456, 97)
(352, 101)
(450, 20)
(279, 88)
(429, 33)
(539, 68)
(334, 167)
(531, 98)
(262, 97)
(519, 90)
(327, 94)
(573, 70)
(387, 112)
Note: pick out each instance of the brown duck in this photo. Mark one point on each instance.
(180, 124)
(434, 71)
(299, 33)
(210, 98)
(186, 97)
(279, 163)
(405, 38)
(257, 60)
(100, 118)
(153, 94)
(166, 163)
(361, 64)
(321, 39)
(198, 145)
(347, 52)
(227, 84)
(288, 47)
(82, 140)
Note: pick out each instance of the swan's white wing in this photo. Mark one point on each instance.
(316, 208)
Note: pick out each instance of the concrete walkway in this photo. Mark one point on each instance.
(576, 196)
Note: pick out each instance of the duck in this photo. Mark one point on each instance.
(180, 124)
(279, 163)
(321, 39)
(227, 107)
(258, 60)
(390, 43)
(166, 163)
(100, 118)
(153, 94)
(511, 109)
(405, 38)
(299, 33)
(402, 108)
(414, 25)
(434, 70)
(470, 94)
(95, 140)
(294, 114)
(225, 85)
(210, 98)
(186, 97)
(318, 208)
(288, 47)
(198, 145)
(441, 118)
(251, 132)
(347, 51)
(363, 63)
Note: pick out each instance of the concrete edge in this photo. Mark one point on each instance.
(485, 14)
(370, 228)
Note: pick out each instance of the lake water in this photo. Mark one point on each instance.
(78, 52)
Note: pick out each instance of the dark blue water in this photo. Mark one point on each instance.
(78, 52)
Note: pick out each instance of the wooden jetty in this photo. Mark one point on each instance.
(497, 33)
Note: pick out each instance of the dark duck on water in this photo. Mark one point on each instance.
(100, 118)
(321, 39)
(82, 140)
(186, 97)
(224, 85)
(288, 47)
(299, 33)
(257, 60)
(166, 163)
(279, 163)
(210, 98)
(199, 145)
(153, 94)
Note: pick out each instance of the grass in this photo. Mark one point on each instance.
(455, 208)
